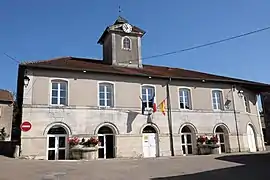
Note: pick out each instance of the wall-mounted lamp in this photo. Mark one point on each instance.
(26, 80)
(240, 93)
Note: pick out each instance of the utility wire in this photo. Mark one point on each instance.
(12, 58)
(205, 45)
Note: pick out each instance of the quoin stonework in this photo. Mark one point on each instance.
(119, 99)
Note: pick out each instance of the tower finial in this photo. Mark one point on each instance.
(119, 10)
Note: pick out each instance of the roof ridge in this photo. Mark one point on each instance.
(84, 58)
(48, 60)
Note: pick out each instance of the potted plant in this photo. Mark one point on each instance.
(74, 141)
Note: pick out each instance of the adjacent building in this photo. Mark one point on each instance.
(115, 99)
(6, 114)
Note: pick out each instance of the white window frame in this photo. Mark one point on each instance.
(155, 92)
(222, 100)
(113, 98)
(245, 96)
(130, 42)
(59, 80)
(190, 96)
(186, 144)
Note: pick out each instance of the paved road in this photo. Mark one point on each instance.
(246, 167)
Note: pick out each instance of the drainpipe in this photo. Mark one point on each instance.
(235, 119)
(169, 117)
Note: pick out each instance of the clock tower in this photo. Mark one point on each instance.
(122, 44)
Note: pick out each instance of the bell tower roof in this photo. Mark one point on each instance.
(117, 28)
(120, 20)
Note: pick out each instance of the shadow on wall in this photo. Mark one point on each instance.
(255, 166)
(131, 117)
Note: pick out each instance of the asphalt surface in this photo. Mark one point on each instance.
(237, 166)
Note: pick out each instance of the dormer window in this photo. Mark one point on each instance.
(126, 43)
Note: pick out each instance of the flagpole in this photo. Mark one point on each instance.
(169, 117)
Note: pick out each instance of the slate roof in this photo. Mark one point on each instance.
(5, 95)
(92, 65)
(120, 20)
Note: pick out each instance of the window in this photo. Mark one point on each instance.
(148, 93)
(126, 43)
(247, 105)
(59, 93)
(106, 95)
(217, 100)
(185, 98)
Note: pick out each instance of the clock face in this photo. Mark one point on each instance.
(127, 28)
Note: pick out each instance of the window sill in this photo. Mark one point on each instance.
(186, 109)
(58, 105)
(105, 107)
(218, 110)
(126, 49)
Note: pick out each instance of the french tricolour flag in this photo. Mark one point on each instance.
(154, 104)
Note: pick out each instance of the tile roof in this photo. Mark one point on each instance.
(91, 65)
(5, 95)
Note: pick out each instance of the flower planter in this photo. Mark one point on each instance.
(80, 152)
(89, 153)
(205, 149)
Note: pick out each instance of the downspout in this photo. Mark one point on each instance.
(235, 119)
(169, 117)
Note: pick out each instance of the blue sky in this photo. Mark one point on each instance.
(37, 30)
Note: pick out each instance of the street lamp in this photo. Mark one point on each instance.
(26, 81)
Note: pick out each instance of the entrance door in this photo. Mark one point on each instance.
(149, 145)
(106, 148)
(221, 142)
(186, 143)
(251, 139)
(150, 142)
(222, 135)
(102, 146)
(57, 147)
(187, 140)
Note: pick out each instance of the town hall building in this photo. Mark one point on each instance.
(117, 99)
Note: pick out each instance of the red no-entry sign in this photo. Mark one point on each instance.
(26, 126)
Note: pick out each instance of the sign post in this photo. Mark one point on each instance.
(26, 126)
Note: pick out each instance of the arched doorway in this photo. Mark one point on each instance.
(106, 137)
(251, 139)
(187, 140)
(223, 138)
(57, 144)
(150, 146)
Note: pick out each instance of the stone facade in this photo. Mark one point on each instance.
(83, 117)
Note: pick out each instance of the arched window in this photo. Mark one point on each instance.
(126, 43)
(59, 92)
(106, 95)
